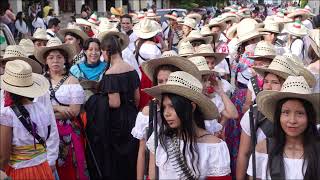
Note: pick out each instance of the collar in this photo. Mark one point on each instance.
(92, 65)
(129, 32)
(50, 32)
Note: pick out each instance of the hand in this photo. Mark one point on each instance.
(3, 175)
(218, 87)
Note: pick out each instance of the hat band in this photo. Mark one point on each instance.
(17, 85)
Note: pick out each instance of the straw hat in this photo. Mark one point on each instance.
(196, 35)
(314, 36)
(186, 85)
(147, 28)
(19, 79)
(180, 20)
(76, 30)
(172, 15)
(14, 52)
(185, 49)
(55, 44)
(205, 31)
(294, 87)
(269, 25)
(247, 29)
(228, 16)
(84, 22)
(171, 58)
(232, 31)
(106, 28)
(264, 50)
(195, 16)
(28, 46)
(280, 66)
(296, 28)
(189, 22)
(117, 11)
(299, 12)
(298, 65)
(218, 21)
(94, 19)
(281, 18)
(206, 50)
(151, 15)
(308, 9)
(39, 34)
(201, 64)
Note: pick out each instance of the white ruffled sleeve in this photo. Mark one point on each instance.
(261, 165)
(6, 118)
(218, 160)
(150, 143)
(76, 94)
(139, 131)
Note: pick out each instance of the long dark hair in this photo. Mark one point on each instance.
(66, 63)
(311, 140)
(165, 67)
(187, 131)
(139, 43)
(86, 45)
(19, 17)
(17, 100)
(112, 45)
(75, 36)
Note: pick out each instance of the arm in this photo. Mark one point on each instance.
(141, 159)
(66, 112)
(230, 111)
(5, 145)
(243, 156)
(137, 97)
(248, 101)
(114, 100)
(152, 166)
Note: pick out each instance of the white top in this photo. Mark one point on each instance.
(139, 131)
(214, 160)
(212, 125)
(227, 87)
(316, 88)
(148, 51)
(49, 31)
(70, 94)
(223, 65)
(41, 113)
(22, 28)
(250, 87)
(129, 57)
(292, 167)
(245, 125)
(297, 48)
(39, 23)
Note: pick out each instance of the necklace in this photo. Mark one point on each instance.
(285, 155)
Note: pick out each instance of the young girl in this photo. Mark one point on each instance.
(186, 150)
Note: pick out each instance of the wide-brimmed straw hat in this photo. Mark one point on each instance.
(195, 16)
(232, 31)
(264, 49)
(170, 58)
(173, 15)
(299, 12)
(247, 29)
(269, 25)
(189, 22)
(206, 50)
(28, 46)
(19, 79)
(196, 35)
(218, 21)
(72, 28)
(186, 85)
(294, 87)
(281, 18)
(314, 36)
(308, 9)
(147, 28)
(84, 22)
(185, 49)
(106, 28)
(117, 11)
(205, 31)
(296, 28)
(94, 19)
(39, 34)
(55, 44)
(151, 15)
(228, 16)
(201, 64)
(14, 52)
(280, 66)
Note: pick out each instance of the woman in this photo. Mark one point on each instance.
(146, 49)
(66, 96)
(21, 156)
(186, 150)
(188, 25)
(38, 21)
(92, 68)
(21, 26)
(114, 116)
(39, 38)
(293, 151)
(158, 71)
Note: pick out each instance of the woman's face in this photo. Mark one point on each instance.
(293, 118)
(211, 62)
(71, 40)
(271, 82)
(93, 53)
(39, 43)
(270, 37)
(186, 30)
(55, 61)
(170, 114)
(162, 76)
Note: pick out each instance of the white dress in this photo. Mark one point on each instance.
(292, 167)
(69, 94)
(214, 160)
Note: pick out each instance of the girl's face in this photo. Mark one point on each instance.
(293, 118)
(55, 60)
(271, 82)
(71, 40)
(39, 43)
(170, 114)
(162, 76)
(211, 62)
(186, 30)
(93, 53)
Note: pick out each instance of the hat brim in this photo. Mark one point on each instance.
(36, 66)
(153, 17)
(83, 22)
(207, 39)
(82, 34)
(267, 102)
(217, 56)
(39, 87)
(315, 47)
(308, 76)
(290, 30)
(70, 49)
(197, 17)
(123, 37)
(304, 15)
(207, 107)
(170, 17)
(250, 36)
(115, 12)
(221, 24)
(263, 70)
(39, 38)
(183, 64)
(262, 56)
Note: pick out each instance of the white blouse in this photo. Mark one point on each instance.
(214, 160)
(139, 131)
(70, 94)
(245, 125)
(148, 51)
(292, 167)
(41, 113)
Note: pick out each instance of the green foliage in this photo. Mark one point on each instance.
(303, 3)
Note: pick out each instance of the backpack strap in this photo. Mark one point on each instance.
(276, 167)
(53, 90)
(262, 122)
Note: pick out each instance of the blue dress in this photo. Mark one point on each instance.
(85, 71)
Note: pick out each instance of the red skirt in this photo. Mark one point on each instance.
(39, 172)
(145, 83)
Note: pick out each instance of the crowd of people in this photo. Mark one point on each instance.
(128, 96)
